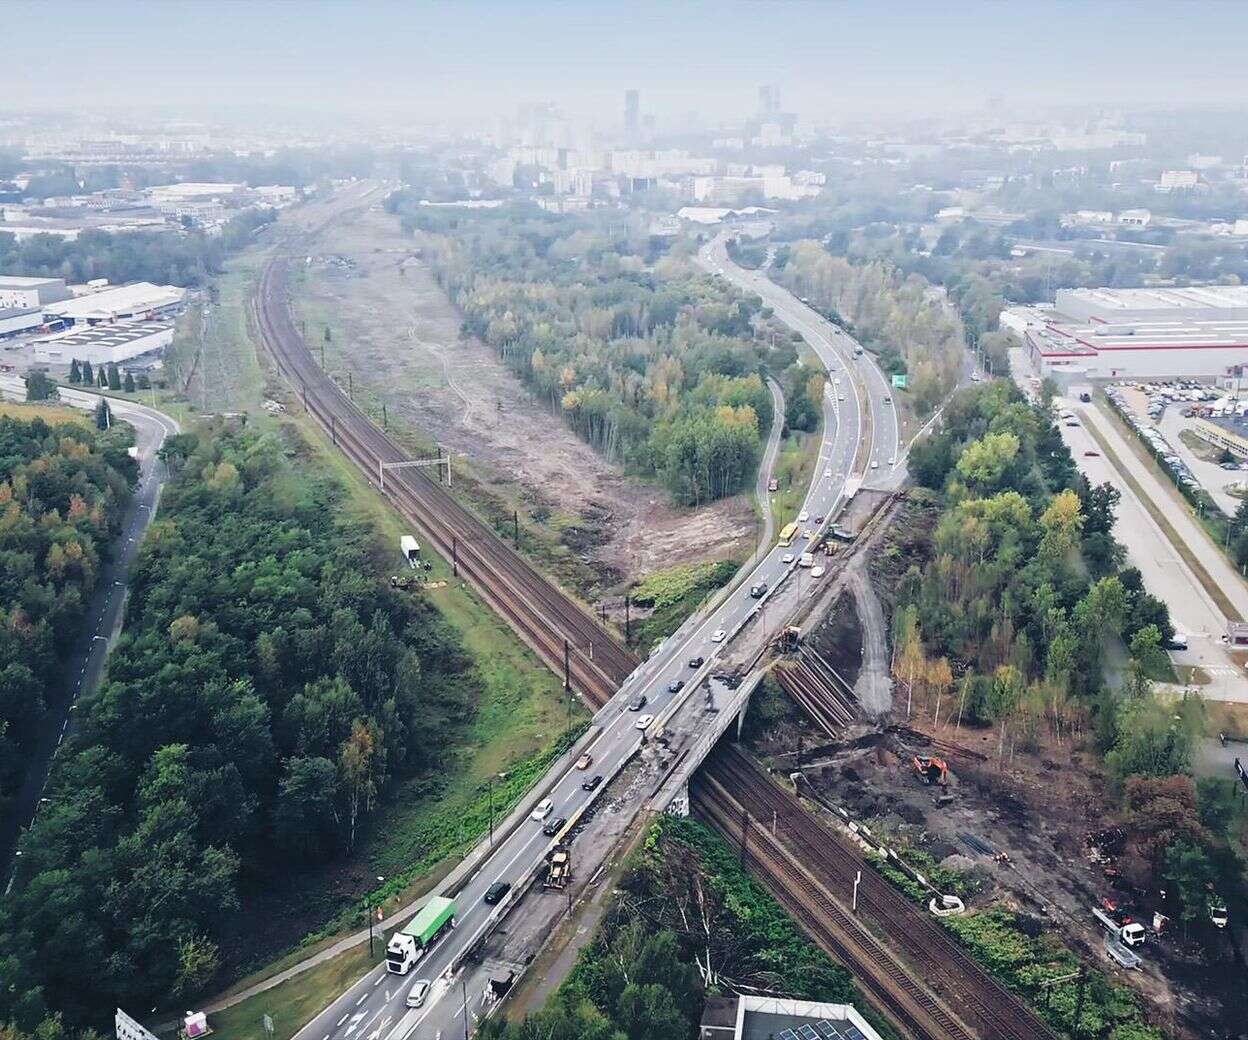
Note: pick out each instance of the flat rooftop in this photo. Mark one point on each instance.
(1058, 338)
(139, 296)
(1161, 299)
(763, 1025)
(116, 335)
(19, 282)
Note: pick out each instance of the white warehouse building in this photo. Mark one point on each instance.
(105, 344)
(1197, 333)
(138, 300)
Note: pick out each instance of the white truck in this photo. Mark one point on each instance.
(410, 548)
(807, 560)
(1131, 934)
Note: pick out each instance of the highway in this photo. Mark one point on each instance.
(374, 1008)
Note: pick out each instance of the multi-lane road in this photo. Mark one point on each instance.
(374, 1008)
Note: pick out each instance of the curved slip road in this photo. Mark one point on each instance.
(84, 667)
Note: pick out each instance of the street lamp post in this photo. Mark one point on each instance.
(490, 788)
(369, 911)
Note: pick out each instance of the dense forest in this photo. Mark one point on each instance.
(266, 687)
(1024, 618)
(654, 364)
(164, 257)
(684, 912)
(62, 491)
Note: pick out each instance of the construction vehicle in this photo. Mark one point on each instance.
(789, 639)
(931, 770)
(1130, 933)
(558, 866)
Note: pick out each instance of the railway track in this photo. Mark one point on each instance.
(542, 615)
(911, 1007)
(987, 1007)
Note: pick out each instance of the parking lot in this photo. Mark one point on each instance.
(1102, 454)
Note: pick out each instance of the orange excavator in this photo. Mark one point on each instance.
(931, 770)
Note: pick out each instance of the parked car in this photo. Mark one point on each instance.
(592, 783)
(803, 516)
(1092, 453)
(817, 572)
(787, 558)
(496, 891)
(543, 809)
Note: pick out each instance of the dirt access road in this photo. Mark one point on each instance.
(395, 330)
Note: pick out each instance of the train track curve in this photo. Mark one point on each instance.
(541, 614)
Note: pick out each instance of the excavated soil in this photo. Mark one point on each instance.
(403, 342)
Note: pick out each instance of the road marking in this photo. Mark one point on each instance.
(341, 1020)
(379, 978)
(363, 997)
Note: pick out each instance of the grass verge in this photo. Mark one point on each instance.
(49, 413)
(794, 469)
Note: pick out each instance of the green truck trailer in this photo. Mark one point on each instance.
(410, 942)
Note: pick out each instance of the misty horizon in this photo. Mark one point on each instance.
(440, 64)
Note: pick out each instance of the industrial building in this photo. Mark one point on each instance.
(31, 292)
(105, 344)
(771, 1018)
(16, 320)
(138, 300)
(1199, 333)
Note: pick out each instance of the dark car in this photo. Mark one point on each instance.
(675, 686)
(554, 826)
(592, 783)
(637, 703)
(696, 662)
(818, 519)
(496, 891)
(758, 591)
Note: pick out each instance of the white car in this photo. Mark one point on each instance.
(718, 636)
(543, 809)
(644, 722)
(417, 994)
(817, 572)
(803, 516)
(875, 465)
(892, 461)
(786, 558)
(827, 473)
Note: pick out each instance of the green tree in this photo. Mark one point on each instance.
(1191, 873)
(983, 463)
(88, 376)
(75, 373)
(306, 817)
(198, 961)
(103, 414)
(128, 385)
(114, 378)
(39, 387)
(102, 377)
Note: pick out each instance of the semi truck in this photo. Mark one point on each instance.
(414, 939)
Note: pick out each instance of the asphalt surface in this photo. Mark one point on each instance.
(84, 667)
(1166, 573)
(374, 1008)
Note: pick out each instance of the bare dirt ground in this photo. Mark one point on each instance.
(395, 330)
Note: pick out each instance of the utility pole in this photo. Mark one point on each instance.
(454, 556)
(489, 787)
(1083, 978)
(854, 902)
(463, 982)
(333, 427)
(567, 670)
(350, 386)
(368, 912)
(385, 425)
(515, 525)
(745, 833)
(628, 621)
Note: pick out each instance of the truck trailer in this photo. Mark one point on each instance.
(411, 942)
(410, 548)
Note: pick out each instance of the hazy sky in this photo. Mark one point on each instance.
(428, 59)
